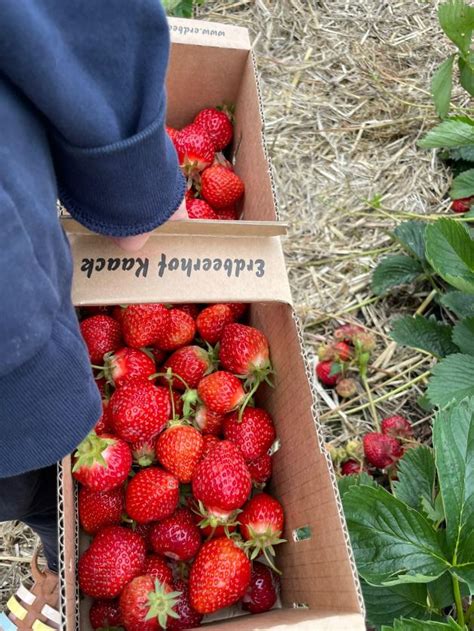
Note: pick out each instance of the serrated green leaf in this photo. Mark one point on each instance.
(424, 403)
(452, 380)
(383, 604)
(450, 251)
(424, 333)
(466, 73)
(463, 335)
(451, 133)
(416, 477)
(404, 624)
(391, 541)
(347, 481)
(411, 235)
(465, 573)
(457, 21)
(463, 185)
(181, 8)
(442, 85)
(434, 511)
(393, 271)
(453, 440)
(460, 303)
(462, 153)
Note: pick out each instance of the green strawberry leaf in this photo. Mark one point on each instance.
(442, 85)
(383, 604)
(465, 573)
(393, 271)
(392, 542)
(463, 335)
(463, 185)
(403, 624)
(452, 380)
(457, 21)
(441, 591)
(181, 8)
(460, 303)
(450, 134)
(462, 153)
(434, 510)
(411, 235)
(416, 477)
(348, 481)
(450, 251)
(423, 333)
(453, 440)
(466, 73)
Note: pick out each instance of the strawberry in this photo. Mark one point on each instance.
(199, 209)
(178, 330)
(342, 351)
(208, 422)
(191, 363)
(397, 426)
(101, 334)
(99, 508)
(104, 614)
(262, 593)
(346, 387)
(144, 531)
(102, 386)
(142, 324)
(172, 133)
(151, 495)
(239, 309)
(211, 321)
(323, 372)
(159, 355)
(209, 442)
(244, 351)
(117, 313)
(351, 467)
(462, 205)
(147, 605)
(346, 332)
(143, 452)
(220, 187)
(222, 481)
(380, 450)
(179, 449)
(177, 537)
(190, 308)
(195, 148)
(128, 363)
(188, 618)
(140, 410)
(261, 525)
(220, 576)
(112, 560)
(102, 462)
(260, 469)
(157, 568)
(207, 531)
(218, 126)
(228, 213)
(221, 392)
(254, 434)
(104, 424)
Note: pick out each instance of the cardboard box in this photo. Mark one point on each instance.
(201, 261)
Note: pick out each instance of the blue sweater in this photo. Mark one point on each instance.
(82, 111)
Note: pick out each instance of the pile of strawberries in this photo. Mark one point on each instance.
(171, 479)
(214, 190)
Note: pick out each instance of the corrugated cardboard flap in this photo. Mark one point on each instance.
(210, 34)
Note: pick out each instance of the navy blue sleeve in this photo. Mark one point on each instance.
(96, 69)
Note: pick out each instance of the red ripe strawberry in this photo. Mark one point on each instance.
(104, 614)
(151, 495)
(101, 334)
(114, 557)
(397, 426)
(102, 462)
(219, 576)
(172, 133)
(147, 605)
(142, 324)
(323, 372)
(342, 351)
(199, 209)
(179, 449)
(351, 467)
(228, 213)
(221, 480)
(254, 434)
(209, 442)
(178, 330)
(211, 321)
(190, 308)
(207, 530)
(195, 148)
(208, 422)
(100, 508)
(218, 126)
(144, 531)
(104, 424)
(244, 351)
(260, 469)
(461, 205)
(143, 452)
(262, 593)
(239, 309)
(188, 618)
(190, 363)
(381, 450)
(157, 568)
(177, 537)
(128, 363)
(261, 524)
(140, 410)
(221, 392)
(117, 313)
(220, 187)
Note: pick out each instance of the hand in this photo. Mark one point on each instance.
(133, 244)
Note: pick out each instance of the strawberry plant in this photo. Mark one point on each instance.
(181, 8)
(415, 549)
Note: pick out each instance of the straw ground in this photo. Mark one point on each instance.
(345, 89)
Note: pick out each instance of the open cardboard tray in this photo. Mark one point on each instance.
(319, 586)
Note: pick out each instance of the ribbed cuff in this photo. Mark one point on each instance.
(122, 189)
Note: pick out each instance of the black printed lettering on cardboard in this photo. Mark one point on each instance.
(184, 30)
(138, 266)
(232, 268)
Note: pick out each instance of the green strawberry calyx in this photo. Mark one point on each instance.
(262, 542)
(161, 604)
(91, 451)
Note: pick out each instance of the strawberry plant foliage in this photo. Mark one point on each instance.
(181, 8)
(426, 334)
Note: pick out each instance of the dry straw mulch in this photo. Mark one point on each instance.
(345, 88)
